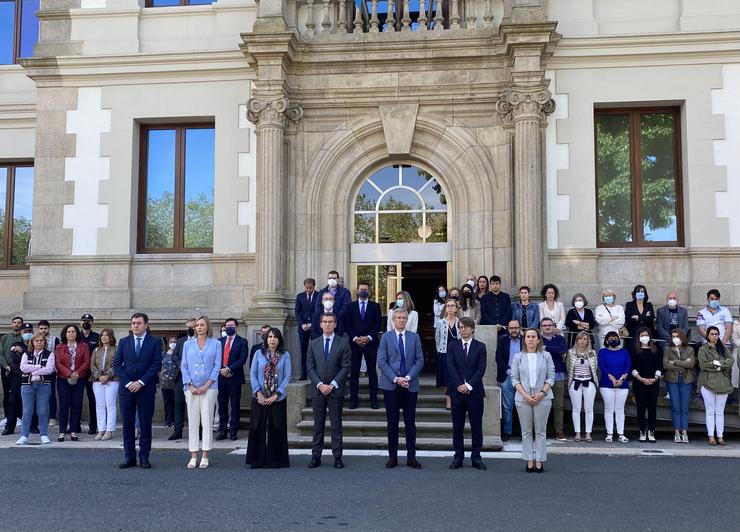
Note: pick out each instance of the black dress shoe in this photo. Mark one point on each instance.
(220, 436)
(74, 438)
(353, 405)
(529, 469)
(374, 404)
(478, 464)
(413, 463)
(505, 437)
(456, 464)
(175, 436)
(8, 432)
(338, 464)
(126, 464)
(314, 463)
(232, 436)
(391, 463)
(540, 469)
(145, 464)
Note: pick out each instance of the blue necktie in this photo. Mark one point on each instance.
(403, 354)
(138, 346)
(326, 349)
(362, 309)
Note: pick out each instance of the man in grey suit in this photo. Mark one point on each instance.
(400, 361)
(327, 363)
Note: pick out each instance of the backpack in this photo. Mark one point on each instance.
(168, 373)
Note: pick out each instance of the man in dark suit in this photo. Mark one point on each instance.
(328, 366)
(304, 309)
(466, 365)
(341, 300)
(400, 360)
(179, 395)
(137, 364)
(230, 379)
(507, 346)
(363, 325)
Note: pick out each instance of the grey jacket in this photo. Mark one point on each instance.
(663, 320)
(520, 374)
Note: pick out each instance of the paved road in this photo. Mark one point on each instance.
(575, 493)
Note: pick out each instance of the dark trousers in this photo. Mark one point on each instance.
(268, 435)
(70, 405)
(371, 358)
(93, 425)
(334, 404)
(473, 406)
(304, 337)
(15, 403)
(229, 393)
(133, 404)
(168, 399)
(179, 410)
(394, 401)
(646, 398)
(6, 391)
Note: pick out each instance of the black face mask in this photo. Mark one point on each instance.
(86, 325)
(455, 297)
(467, 295)
(613, 342)
(190, 331)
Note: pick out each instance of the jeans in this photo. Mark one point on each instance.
(35, 395)
(680, 394)
(507, 405)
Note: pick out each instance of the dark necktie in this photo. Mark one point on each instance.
(326, 349)
(465, 350)
(362, 310)
(138, 346)
(402, 353)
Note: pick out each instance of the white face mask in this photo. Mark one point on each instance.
(471, 283)
(328, 305)
(676, 341)
(332, 283)
(442, 293)
(578, 304)
(672, 303)
(644, 340)
(173, 345)
(400, 303)
(639, 296)
(223, 334)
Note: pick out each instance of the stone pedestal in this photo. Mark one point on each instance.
(488, 334)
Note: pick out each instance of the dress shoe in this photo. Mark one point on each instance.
(391, 463)
(145, 464)
(74, 437)
(175, 436)
(8, 432)
(505, 437)
(338, 464)
(126, 464)
(529, 469)
(456, 464)
(374, 404)
(353, 405)
(220, 436)
(478, 464)
(413, 463)
(540, 469)
(232, 436)
(314, 463)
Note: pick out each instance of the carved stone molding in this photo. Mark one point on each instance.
(515, 105)
(273, 112)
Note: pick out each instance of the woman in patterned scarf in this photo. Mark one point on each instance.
(268, 426)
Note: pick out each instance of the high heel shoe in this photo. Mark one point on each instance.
(74, 437)
(203, 463)
(529, 469)
(540, 469)
(60, 438)
(192, 463)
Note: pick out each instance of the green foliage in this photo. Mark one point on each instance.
(199, 222)
(159, 224)
(21, 238)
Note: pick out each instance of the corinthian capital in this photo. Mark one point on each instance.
(273, 112)
(517, 104)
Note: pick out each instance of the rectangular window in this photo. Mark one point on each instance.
(638, 177)
(19, 29)
(176, 189)
(165, 3)
(16, 210)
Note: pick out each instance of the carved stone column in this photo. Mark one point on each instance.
(271, 118)
(526, 111)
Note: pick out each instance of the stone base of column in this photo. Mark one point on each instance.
(275, 311)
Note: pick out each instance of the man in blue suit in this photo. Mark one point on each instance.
(363, 325)
(304, 308)
(400, 360)
(342, 299)
(230, 379)
(466, 365)
(137, 364)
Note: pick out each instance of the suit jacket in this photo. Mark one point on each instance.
(335, 369)
(370, 326)
(520, 374)
(63, 360)
(342, 299)
(303, 310)
(503, 350)
(145, 367)
(389, 360)
(663, 328)
(470, 370)
(237, 356)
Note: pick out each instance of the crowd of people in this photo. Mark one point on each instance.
(542, 351)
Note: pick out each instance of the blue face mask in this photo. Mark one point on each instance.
(400, 303)
(714, 303)
(639, 296)
(608, 300)
(27, 336)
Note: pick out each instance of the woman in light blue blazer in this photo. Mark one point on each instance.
(532, 375)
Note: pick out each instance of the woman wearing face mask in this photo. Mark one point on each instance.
(469, 306)
(614, 368)
(609, 315)
(404, 301)
(166, 380)
(481, 287)
(447, 332)
(647, 364)
(582, 363)
(439, 303)
(72, 361)
(579, 319)
(680, 376)
(105, 384)
(639, 312)
(715, 363)
(454, 294)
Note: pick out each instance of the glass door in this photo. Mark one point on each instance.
(385, 280)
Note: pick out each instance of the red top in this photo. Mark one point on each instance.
(63, 360)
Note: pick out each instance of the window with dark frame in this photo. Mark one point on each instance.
(167, 3)
(638, 177)
(176, 188)
(19, 29)
(16, 202)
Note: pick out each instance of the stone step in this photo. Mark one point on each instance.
(424, 429)
(380, 443)
(369, 414)
(422, 400)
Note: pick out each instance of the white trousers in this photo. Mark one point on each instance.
(200, 412)
(714, 406)
(105, 404)
(614, 399)
(582, 399)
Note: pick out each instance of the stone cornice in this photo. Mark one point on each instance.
(646, 253)
(142, 258)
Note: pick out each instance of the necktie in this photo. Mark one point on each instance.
(227, 350)
(403, 354)
(362, 309)
(138, 346)
(326, 349)
(465, 349)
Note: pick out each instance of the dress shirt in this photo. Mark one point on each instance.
(532, 359)
(366, 301)
(331, 343)
(141, 340)
(403, 339)
(466, 349)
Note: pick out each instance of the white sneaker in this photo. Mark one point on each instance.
(22, 441)
(642, 437)
(3, 422)
(45, 440)
(608, 438)
(677, 438)
(623, 439)
(651, 436)
(685, 438)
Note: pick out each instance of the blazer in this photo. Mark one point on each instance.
(470, 370)
(370, 326)
(237, 356)
(571, 316)
(520, 374)
(644, 319)
(97, 368)
(503, 350)
(533, 314)
(495, 309)
(662, 323)
(472, 312)
(303, 310)
(145, 367)
(336, 369)
(389, 360)
(557, 314)
(342, 299)
(63, 360)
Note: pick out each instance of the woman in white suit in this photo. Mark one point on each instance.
(532, 375)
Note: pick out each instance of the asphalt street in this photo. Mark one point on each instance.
(59, 489)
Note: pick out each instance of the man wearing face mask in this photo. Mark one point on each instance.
(470, 280)
(715, 315)
(92, 339)
(15, 403)
(328, 304)
(555, 345)
(508, 345)
(342, 298)
(14, 336)
(179, 397)
(230, 379)
(671, 316)
(363, 326)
